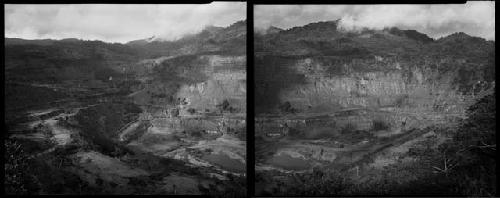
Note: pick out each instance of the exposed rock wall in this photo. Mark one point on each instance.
(398, 85)
(394, 91)
(227, 81)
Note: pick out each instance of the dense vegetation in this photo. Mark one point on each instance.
(101, 124)
(16, 162)
(44, 174)
(56, 61)
(21, 96)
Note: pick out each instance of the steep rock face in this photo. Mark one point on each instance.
(400, 76)
(199, 73)
(195, 81)
(403, 87)
(226, 81)
(414, 95)
(200, 82)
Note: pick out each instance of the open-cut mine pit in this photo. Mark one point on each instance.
(336, 117)
(126, 122)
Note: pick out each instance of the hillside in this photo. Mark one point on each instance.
(212, 40)
(318, 53)
(58, 60)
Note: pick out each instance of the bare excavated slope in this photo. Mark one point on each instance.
(204, 69)
(318, 68)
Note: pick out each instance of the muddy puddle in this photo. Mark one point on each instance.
(226, 162)
(288, 162)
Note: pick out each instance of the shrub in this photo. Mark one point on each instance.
(476, 171)
(191, 110)
(401, 101)
(16, 164)
(196, 134)
(317, 183)
(348, 128)
(379, 125)
(174, 112)
(286, 107)
(224, 106)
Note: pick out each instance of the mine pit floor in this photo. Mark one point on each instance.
(290, 155)
(227, 156)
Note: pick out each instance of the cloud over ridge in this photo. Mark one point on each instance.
(437, 20)
(117, 23)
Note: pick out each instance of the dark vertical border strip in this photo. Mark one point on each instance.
(250, 104)
(5, 129)
(496, 99)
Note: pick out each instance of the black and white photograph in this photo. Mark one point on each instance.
(125, 99)
(375, 100)
(318, 100)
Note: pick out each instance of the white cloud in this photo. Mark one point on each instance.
(474, 18)
(117, 23)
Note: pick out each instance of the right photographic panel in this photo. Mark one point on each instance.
(375, 100)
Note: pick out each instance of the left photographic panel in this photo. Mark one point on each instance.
(125, 99)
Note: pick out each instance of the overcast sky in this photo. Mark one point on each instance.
(117, 23)
(473, 18)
